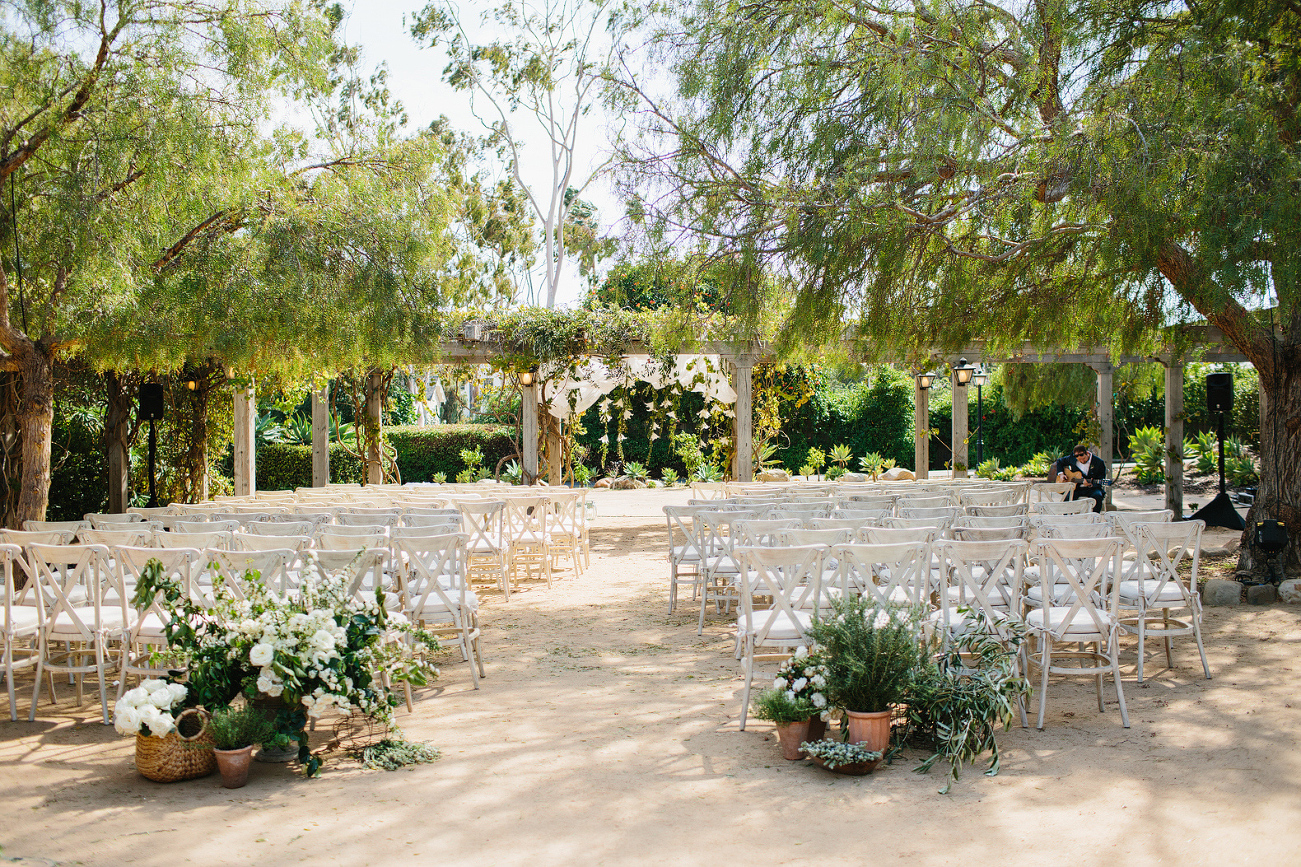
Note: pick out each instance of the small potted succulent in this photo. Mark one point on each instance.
(796, 701)
(235, 731)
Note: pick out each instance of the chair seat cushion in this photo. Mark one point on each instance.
(1061, 593)
(782, 628)
(1061, 622)
(23, 620)
(1131, 592)
(685, 554)
(63, 625)
(434, 606)
(999, 594)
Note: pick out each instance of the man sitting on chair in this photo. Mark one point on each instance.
(1086, 470)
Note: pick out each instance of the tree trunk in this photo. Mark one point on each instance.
(35, 420)
(117, 439)
(374, 425)
(1279, 493)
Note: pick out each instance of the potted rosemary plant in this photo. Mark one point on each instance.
(235, 731)
(871, 656)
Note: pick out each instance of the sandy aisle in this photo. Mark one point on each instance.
(606, 733)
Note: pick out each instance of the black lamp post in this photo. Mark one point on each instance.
(980, 379)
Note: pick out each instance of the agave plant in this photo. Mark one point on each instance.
(873, 464)
(634, 470)
(708, 473)
(840, 455)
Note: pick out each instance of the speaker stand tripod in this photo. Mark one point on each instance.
(1220, 512)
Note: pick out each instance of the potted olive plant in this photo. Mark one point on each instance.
(871, 654)
(795, 702)
(235, 732)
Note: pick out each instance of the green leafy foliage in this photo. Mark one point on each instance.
(1147, 447)
(871, 653)
(233, 728)
(421, 453)
(392, 754)
(669, 476)
(957, 702)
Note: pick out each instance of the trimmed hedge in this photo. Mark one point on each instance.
(421, 453)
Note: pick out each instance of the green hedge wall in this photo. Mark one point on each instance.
(421, 453)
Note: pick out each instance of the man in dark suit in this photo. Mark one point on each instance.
(1082, 463)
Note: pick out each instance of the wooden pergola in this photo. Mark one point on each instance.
(1205, 343)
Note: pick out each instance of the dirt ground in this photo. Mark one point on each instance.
(606, 733)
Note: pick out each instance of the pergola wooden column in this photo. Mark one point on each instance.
(1204, 343)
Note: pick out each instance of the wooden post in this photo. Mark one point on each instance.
(374, 415)
(245, 444)
(921, 430)
(117, 426)
(529, 432)
(743, 383)
(959, 428)
(1174, 437)
(1106, 418)
(321, 436)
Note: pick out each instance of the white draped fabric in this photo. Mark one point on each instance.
(593, 379)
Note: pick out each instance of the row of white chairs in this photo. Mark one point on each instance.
(1090, 597)
(73, 614)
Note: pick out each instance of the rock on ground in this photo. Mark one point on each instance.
(1220, 591)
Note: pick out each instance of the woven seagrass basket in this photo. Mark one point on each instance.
(177, 757)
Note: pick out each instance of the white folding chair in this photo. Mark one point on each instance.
(137, 536)
(1067, 507)
(146, 627)
(892, 573)
(109, 521)
(528, 527)
(1086, 613)
(218, 539)
(20, 629)
(281, 528)
(73, 581)
(438, 594)
(685, 556)
(792, 578)
(1159, 590)
(1051, 492)
(1012, 510)
(74, 527)
(272, 569)
(763, 532)
(483, 523)
(989, 497)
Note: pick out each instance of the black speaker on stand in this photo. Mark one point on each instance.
(1220, 512)
(152, 401)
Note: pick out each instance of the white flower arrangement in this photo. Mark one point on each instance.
(803, 678)
(147, 708)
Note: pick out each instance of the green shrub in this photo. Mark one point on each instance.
(1147, 447)
(422, 454)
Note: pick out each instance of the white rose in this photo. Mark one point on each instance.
(801, 652)
(323, 639)
(178, 691)
(275, 689)
(800, 684)
(261, 654)
(161, 698)
(136, 697)
(819, 701)
(126, 719)
(779, 683)
(152, 685)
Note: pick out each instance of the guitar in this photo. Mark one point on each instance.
(1073, 474)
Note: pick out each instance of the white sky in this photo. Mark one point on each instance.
(415, 78)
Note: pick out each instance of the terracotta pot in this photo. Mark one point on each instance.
(791, 735)
(234, 765)
(872, 730)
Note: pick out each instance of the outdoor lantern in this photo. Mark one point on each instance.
(230, 371)
(526, 378)
(924, 380)
(962, 373)
(980, 379)
(191, 382)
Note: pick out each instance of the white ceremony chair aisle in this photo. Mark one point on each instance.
(21, 627)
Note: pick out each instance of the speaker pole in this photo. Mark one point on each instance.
(1221, 432)
(1220, 512)
(153, 454)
